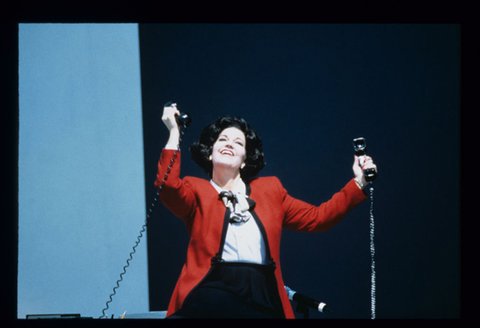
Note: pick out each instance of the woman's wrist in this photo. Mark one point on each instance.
(173, 139)
(361, 182)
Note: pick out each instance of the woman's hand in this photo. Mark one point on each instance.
(168, 117)
(358, 171)
(170, 112)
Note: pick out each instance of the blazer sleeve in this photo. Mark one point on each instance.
(176, 194)
(301, 216)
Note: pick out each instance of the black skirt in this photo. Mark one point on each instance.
(234, 290)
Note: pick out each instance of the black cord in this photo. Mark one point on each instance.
(134, 249)
(144, 227)
(372, 257)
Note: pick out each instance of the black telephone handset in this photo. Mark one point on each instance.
(183, 119)
(360, 148)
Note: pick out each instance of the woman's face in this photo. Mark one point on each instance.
(229, 149)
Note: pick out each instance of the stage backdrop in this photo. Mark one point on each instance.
(309, 89)
(81, 175)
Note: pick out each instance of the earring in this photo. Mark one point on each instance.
(210, 157)
(242, 166)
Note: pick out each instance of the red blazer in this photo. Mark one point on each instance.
(196, 202)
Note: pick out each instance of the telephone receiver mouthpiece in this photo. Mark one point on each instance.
(184, 120)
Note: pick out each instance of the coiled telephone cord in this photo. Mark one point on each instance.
(144, 227)
(372, 257)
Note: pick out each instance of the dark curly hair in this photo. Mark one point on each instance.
(202, 149)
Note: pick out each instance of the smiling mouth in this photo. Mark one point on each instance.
(227, 152)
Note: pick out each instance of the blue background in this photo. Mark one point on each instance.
(80, 170)
(309, 89)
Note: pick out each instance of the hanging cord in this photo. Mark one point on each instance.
(372, 256)
(144, 227)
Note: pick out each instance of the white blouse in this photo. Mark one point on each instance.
(244, 241)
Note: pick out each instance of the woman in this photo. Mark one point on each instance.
(232, 269)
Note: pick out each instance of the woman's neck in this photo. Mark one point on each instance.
(226, 180)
